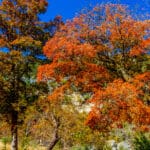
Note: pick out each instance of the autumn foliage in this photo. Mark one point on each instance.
(119, 103)
(103, 51)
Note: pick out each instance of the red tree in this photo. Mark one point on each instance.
(103, 52)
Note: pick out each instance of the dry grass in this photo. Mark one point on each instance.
(2, 146)
(30, 148)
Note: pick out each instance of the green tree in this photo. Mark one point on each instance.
(141, 142)
(23, 35)
(18, 89)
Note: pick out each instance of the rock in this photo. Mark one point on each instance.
(112, 144)
(124, 145)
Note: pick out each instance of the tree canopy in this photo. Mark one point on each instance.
(23, 35)
(104, 52)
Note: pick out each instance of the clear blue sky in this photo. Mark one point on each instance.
(68, 8)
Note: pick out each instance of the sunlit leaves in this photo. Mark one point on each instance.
(105, 52)
(26, 41)
(118, 103)
(20, 26)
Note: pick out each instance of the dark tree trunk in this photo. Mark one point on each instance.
(54, 141)
(14, 131)
(55, 137)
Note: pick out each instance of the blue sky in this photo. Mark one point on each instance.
(68, 8)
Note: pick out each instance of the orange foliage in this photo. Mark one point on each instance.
(87, 51)
(117, 104)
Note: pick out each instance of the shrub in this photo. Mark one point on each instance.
(141, 142)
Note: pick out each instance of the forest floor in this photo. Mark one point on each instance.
(2, 146)
(30, 148)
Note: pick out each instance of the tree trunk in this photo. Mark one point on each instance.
(55, 137)
(54, 140)
(14, 131)
(125, 76)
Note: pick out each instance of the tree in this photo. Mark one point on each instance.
(22, 34)
(17, 88)
(103, 52)
(20, 24)
(60, 124)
